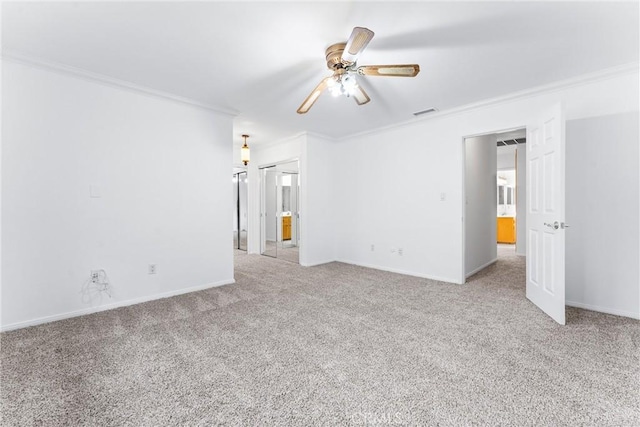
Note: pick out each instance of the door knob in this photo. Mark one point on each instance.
(563, 225)
(555, 225)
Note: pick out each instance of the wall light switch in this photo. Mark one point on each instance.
(443, 197)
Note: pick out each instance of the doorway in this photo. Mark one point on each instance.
(495, 186)
(280, 219)
(544, 205)
(511, 181)
(240, 211)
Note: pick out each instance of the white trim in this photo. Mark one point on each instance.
(400, 271)
(557, 86)
(482, 267)
(605, 310)
(321, 136)
(109, 81)
(463, 217)
(265, 145)
(607, 73)
(316, 263)
(91, 310)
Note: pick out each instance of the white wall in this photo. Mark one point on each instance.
(320, 210)
(480, 204)
(396, 176)
(161, 169)
(602, 207)
(390, 197)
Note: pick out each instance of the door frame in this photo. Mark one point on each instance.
(261, 196)
(463, 272)
(236, 175)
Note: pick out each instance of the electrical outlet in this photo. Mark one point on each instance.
(373, 248)
(400, 251)
(152, 269)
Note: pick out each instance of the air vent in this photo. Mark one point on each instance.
(428, 110)
(515, 141)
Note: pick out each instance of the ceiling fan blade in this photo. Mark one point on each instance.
(399, 70)
(313, 96)
(360, 95)
(359, 39)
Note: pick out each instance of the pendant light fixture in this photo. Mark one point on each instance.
(244, 151)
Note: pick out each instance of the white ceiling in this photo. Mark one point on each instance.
(262, 59)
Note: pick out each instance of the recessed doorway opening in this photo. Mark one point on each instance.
(280, 217)
(495, 186)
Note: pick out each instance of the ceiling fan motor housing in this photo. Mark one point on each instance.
(334, 55)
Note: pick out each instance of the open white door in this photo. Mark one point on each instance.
(545, 213)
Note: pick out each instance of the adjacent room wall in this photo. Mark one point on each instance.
(480, 203)
(98, 177)
(602, 203)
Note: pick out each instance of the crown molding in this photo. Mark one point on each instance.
(322, 136)
(266, 145)
(605, 74)
(106, 80)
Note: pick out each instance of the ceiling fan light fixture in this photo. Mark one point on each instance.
(342, 59)
(349, 84)
(343, 84)
(334, 86)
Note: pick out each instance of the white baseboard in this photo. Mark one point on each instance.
(400, 271)
(605, 310)
(105, 307)
(314, 263)
(482, 267)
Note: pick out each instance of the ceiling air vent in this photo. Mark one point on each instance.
(428, 110)
(515, 141)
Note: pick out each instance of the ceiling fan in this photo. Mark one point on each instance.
(342, 58)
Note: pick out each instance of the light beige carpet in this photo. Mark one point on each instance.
(328, 345)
